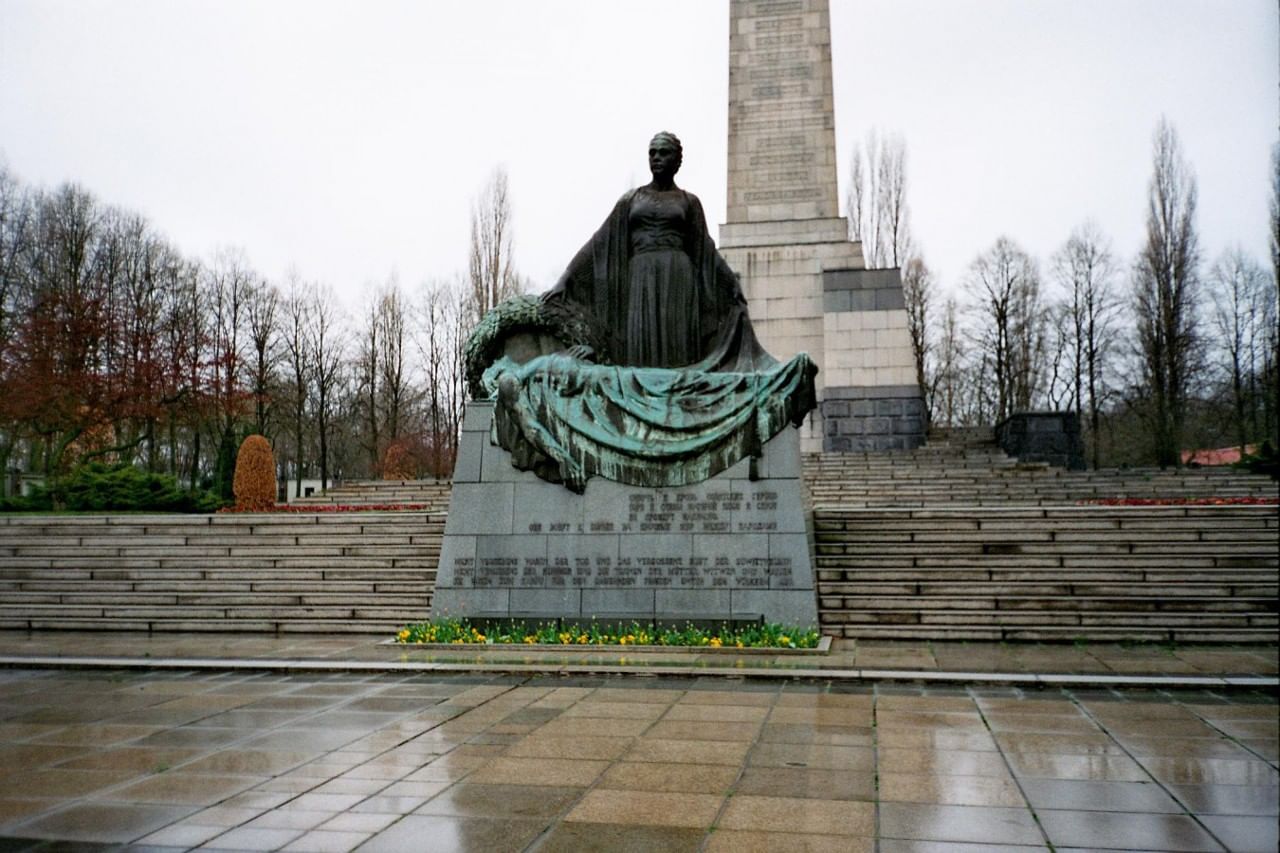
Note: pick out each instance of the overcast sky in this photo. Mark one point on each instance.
(348, 139)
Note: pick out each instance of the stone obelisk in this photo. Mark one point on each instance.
(806, 283)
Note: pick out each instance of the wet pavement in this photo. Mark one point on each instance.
(244, 760)
(1113, 664)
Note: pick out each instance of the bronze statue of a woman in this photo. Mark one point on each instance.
(654, 285)
(641, 364)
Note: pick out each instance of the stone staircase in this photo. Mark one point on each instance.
(956, 540)
(953, 540)
(1190, 574)
(980, 474)
(317, 572)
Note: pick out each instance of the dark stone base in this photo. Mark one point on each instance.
(872, 418)
(1050, 437)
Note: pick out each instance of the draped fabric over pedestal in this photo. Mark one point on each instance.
(569, 420)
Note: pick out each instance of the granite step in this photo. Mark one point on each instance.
(1153, 570)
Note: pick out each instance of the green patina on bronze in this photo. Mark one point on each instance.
(568, 420)
(641, 364)
(520, 327)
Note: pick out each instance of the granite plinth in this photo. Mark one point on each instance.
(731, 548)
(1050, 437)
(873, 419)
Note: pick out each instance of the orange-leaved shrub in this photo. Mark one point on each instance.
(399, 462)
(255, 481)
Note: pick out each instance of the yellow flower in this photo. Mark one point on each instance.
(530, 639)
(715, 642)
(622, 641)
(582, 639)
(738, 644)
(785, 640)
(404, 635)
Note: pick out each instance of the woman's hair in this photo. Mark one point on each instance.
(668, 136)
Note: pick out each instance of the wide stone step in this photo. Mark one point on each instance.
(984, 617)
(271, 572)
(1009, 589)
(951, 472)
(364, 625)
(926, 601)
(404, 612)
(1095, 634)
(1153, 572)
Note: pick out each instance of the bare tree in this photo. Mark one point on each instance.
(230, 283)
(855, 203)
(297, 357)
(876, 204)
(918, 294)
(1275, 211)
(188, 333)
(264, 345)
(1166, 294)
(1240, 317)
(1009, 326)
(15, 234)
(442, 310)
(383, 368)
(1271, 371)
(393, 364)
(367, 355)
(1086, 271)
(1059, 389)
(458, 313)
(491, 266)
(327, 342)
(946, 384)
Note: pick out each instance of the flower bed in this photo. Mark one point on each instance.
(309, 508)
(462, 632)
(1238, 501)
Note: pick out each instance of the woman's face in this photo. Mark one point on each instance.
(663, 158)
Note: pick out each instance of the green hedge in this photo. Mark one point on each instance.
(100, 488)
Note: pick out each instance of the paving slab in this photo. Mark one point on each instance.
(491, 758)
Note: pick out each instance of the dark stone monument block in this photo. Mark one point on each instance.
(1051, 437)
(873, 419)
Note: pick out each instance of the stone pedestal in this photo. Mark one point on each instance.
(735, 547)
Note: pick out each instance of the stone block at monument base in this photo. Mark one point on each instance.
(734, 547)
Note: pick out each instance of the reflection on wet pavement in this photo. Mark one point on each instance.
(314, 762)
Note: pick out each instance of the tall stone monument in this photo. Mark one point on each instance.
(807, 285)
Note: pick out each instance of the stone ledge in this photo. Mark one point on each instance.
(786, 232)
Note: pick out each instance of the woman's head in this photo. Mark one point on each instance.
(665, 154)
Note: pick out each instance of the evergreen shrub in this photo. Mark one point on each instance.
(102, 488)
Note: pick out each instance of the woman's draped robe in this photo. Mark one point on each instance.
(569, 419)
